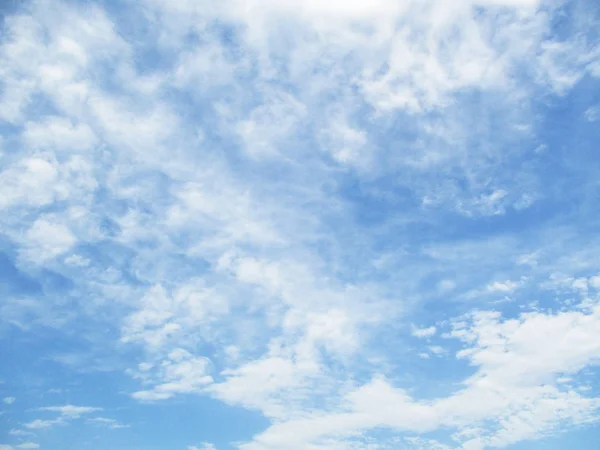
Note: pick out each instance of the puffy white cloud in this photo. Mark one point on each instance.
(262, 384)
(518, 363)
(30, 181)
(180, 373)
(8, 400)
(59, 134)
(47, 239)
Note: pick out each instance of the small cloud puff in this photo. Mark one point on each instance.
(203, 446)
(423, 332)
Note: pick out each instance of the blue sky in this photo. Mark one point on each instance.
(299, 225)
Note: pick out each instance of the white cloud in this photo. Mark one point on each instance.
(180, 373)
(15, 432)
(436, 350)
(592, 114)
(70, 411)
(517, 361)
(60, 68)
(8, 400)
(347, 144)
(530, 259)
(163, 314)
(109, 423)
(66, 413)
(43, 179)
(419, 443)
(262, 384)
(263, 132)
(28, 182)
(59, 134)
(203, 446)
(28, 445)
(424, 332)
(503, 286)
(249, 233)
(39, 423)
(47, 239)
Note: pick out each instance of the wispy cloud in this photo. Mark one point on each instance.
(109, 423)
(39, 423)
(70, 411)
(313, 211)
(424, 332)
(66, 414)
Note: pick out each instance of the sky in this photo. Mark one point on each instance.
(299, 224)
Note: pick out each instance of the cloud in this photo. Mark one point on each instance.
(28, 445)
(39, 423)
(66, 414)
(70, 411)
(424, 332)
(180, 373)
(436, 350)
(15, 432)
(58, 133)
(47, 239)
(592, 114)
(518, 361)
(28, 182)
(106, 422)
(256, 200)
(8, 400)
(203, 446)
(502, 286)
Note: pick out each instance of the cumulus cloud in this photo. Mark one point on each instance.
(46, 239)
(517, 362)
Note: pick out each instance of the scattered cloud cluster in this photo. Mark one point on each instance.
(367, 224)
